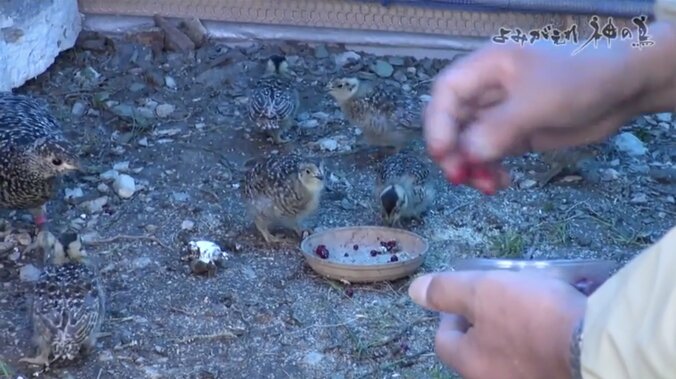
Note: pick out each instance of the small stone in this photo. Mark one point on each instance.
(24, 239)
(143, 142)
(125, 186)
(164, 110)
(321, 52)
(142, 262)
(109, 175)
(328, 144)
(528, 183)
(123, 110)
(96, 205)
(170, 82)
(180, 197)
(396, 61)
(200, 125)
(615, 162)
(14, 256)
(29, 273)
(121, 166)
(400, 76)
(103, 188)
(664, 117)
(321, 115)
(309, 124)
(79, 108)
(383, 69)
(145, 112)
(187, 225)
(609, 174)
(639, 198)
(344, 58)
(630, 144)
(73, 193)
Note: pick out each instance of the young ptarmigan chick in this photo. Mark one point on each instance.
(385, 119)
(68, 304)
(274, 100)
(282, 190)
(403, 188)
(34, 155)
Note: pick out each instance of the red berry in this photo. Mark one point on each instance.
(322, 252)
(394, 258)
(355, 247)
(374, 253)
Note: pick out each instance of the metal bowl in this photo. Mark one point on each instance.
(584, 274)
(341, 241)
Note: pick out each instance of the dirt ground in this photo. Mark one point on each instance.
(175, 123)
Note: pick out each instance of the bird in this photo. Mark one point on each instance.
(68, 304)
(403, 188)
(283, 190)
(274, 100)
(385, 119)
(34, 155)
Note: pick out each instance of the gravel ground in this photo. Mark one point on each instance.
(174, 122)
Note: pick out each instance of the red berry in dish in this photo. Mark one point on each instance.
(394, 258)
(322, 252)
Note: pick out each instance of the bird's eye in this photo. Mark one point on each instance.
(339, 86)
(57, 162)
(307, 171)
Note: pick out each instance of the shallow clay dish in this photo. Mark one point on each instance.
(350, 253)
(584, 274)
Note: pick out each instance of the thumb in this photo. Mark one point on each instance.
(497, 133)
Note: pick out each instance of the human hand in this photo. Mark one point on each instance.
(500, 324)
(507, 100)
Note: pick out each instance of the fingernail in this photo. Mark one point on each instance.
(474, 143)
(418, 289)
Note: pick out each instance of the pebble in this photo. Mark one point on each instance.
(123, 110)
(309, 124)
(664, 117)
(609, 174)
(143, 142)
(528, 183)
(142, 262)
(125, 186)
(639, 198)
(344, 58)
(79, 108)
(121, 166)
(103, 188)
(96, 205)
(187, 225)
(180, 197)
(145, 112)
(14, 256)
(136, 87)
(615, 162)
(383, 69)
(109, 175)
(396, 61)
(170, 82)
(321, 52)
(630, 144)
(73, 193)
(29, 273)
(164, 110)
(321, 115)
(328, 144)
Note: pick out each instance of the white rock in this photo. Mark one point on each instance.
(164, 110)
(125, 186)
(170, 82)
(609, 174)
(328, 144)
(309, 124)
(96, 205)
(35, 32)
(78, 109)
(73, 193)
(109, 175)
(343, 58)
(528, 183)
(143, 142)
(121, 166)
(425, 98)
(187, 225)
(630, 144)
(639, 198)
(29, 273)
(664, 117)
(321, 115)
(103, 188)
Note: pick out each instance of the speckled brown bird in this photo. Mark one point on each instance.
(68, 304)
(403, 187)
(34, 154)
(387, 119)
(274, 100)
(283, 190)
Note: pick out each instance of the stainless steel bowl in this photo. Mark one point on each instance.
(584, 274)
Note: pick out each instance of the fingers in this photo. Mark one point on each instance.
(462, 83)
(452, 345)
(448, 292)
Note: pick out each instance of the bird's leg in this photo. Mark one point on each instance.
(264, 228)
(277, 137)
(42, 359)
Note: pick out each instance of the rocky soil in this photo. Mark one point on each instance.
(165, 142)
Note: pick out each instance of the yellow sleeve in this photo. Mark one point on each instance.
(630, 323)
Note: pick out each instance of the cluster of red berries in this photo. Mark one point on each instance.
(322, 252)
(390, 247)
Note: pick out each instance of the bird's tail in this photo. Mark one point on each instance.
(268, 124)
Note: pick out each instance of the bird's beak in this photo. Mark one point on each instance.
(328, 86)
(319, 176)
